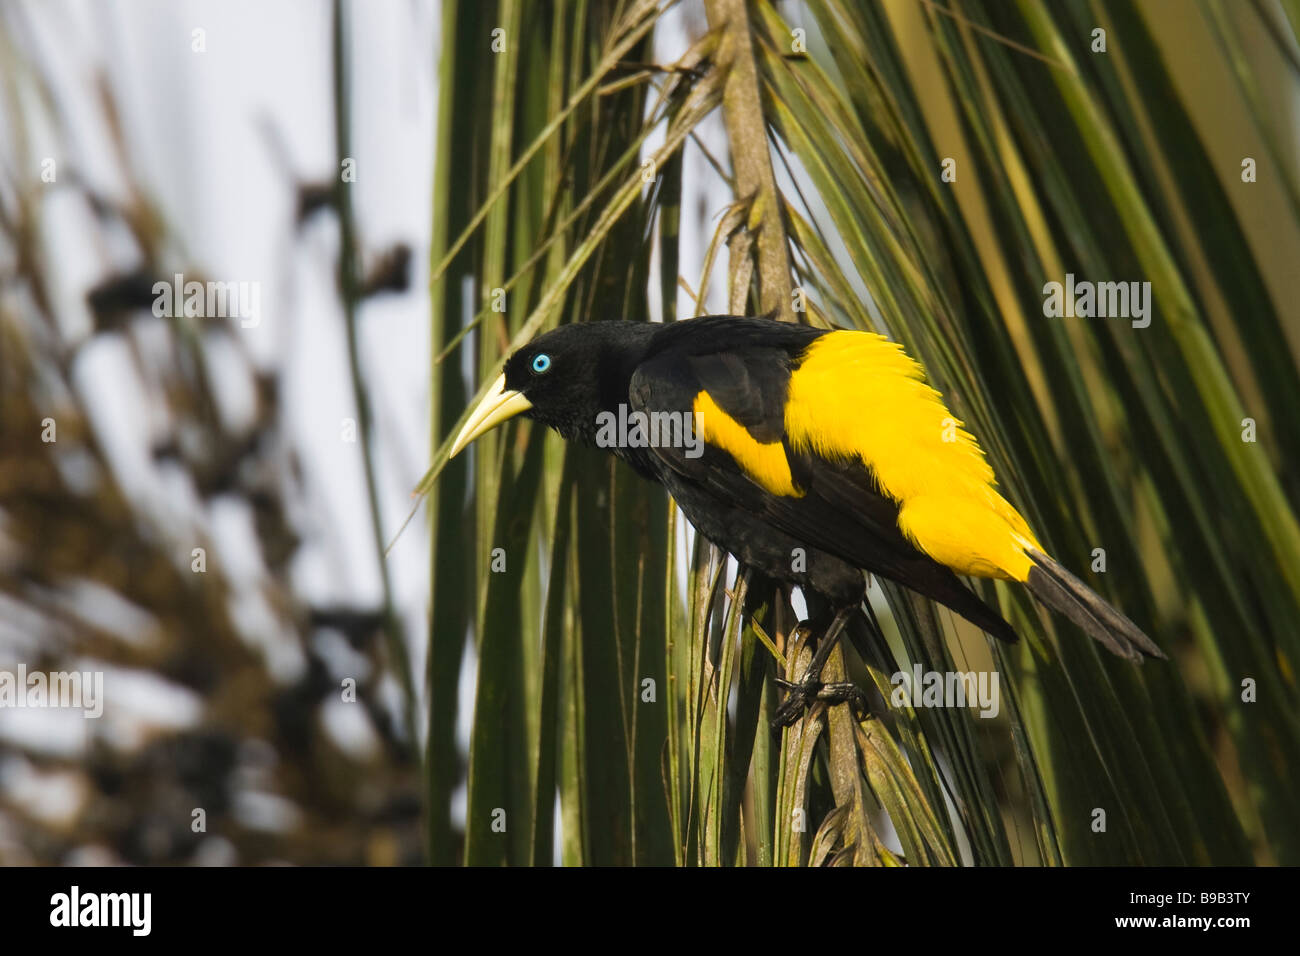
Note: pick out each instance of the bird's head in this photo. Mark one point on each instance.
(563, 379)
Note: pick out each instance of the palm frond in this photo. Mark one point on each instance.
(925, 174)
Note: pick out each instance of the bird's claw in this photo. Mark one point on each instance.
(810, 689)
(798, 697)
(804, 694)
(846, 693)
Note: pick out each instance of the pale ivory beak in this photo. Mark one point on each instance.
(497, 406)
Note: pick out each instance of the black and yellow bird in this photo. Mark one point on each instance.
(825, 454)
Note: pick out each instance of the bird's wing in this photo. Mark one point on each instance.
(831, 501)
(857, 395)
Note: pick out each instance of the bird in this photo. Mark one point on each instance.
(813, 456)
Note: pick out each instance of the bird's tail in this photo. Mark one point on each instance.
(1061, 591)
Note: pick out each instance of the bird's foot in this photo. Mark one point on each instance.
(810, 689)
(802, 695)
(798, 697)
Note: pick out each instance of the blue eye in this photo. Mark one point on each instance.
(541, 362)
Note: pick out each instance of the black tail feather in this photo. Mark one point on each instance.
(1061, 591)
(940, 584)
